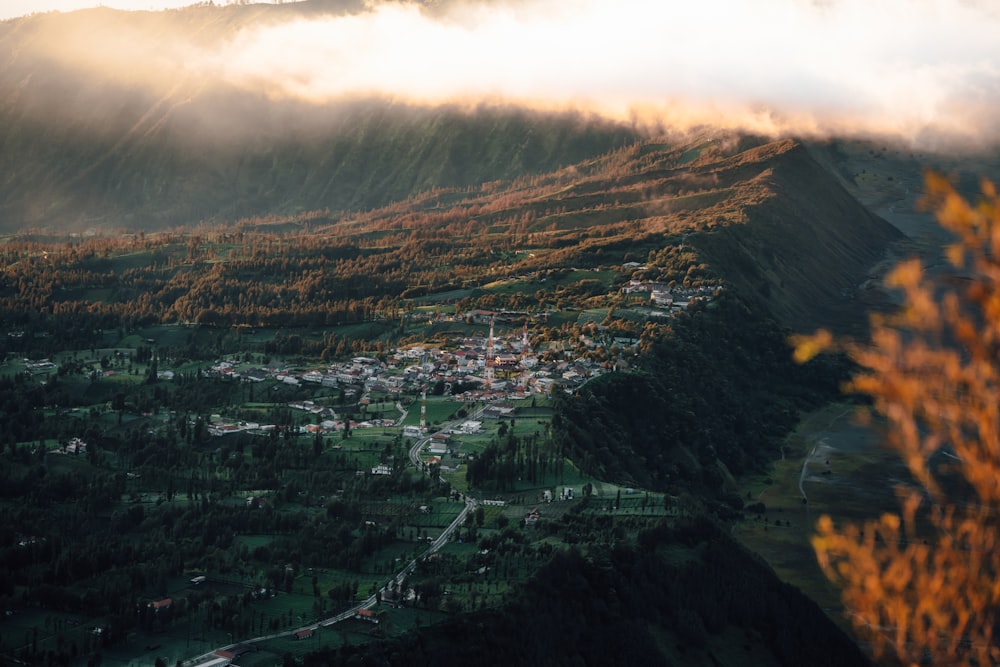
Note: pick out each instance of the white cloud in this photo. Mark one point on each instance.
(906, 67)
(913, 68)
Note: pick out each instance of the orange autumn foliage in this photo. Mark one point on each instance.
(923, 585)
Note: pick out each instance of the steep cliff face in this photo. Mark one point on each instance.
(794, 238)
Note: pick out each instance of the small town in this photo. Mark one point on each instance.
(488, 369)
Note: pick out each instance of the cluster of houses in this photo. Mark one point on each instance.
(493, 370)
(513, 371)
(672, 298)
(490, 370)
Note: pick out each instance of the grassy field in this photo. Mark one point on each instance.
(559, 318)
(596, 315)
(847, 475)
(443, 297)
(168, 335)
(439, 409)
(514, 286)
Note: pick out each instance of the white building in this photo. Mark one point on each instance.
(471, 427)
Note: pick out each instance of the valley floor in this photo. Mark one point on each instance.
(831, 465)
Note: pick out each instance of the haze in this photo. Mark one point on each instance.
(925, 71)
(13, 8)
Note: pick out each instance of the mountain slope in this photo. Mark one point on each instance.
(761, 218)
(801, 243)
(146, 135)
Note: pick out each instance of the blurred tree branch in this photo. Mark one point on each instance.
(924, 584)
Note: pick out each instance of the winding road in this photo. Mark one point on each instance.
(805, 461)
(213, 658)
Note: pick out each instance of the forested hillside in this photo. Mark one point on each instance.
(711, 399)
(715, 211)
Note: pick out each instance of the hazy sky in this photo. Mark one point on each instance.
(911, 68)
(14, 8)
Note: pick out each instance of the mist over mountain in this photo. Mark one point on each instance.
(83, 151)
(924, 72)
(153, 119)
(79, 149)
(368, 154)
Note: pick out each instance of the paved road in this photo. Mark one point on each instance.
(212, 658)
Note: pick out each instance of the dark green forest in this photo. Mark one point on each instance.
(664, 598)
(711, 397)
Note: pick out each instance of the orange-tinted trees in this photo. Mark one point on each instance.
(924, 584)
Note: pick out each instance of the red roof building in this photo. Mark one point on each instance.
(366, 615)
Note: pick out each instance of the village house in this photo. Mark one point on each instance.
(634, 286)
(220, 429)
(256, 502)
(160, 605)
(76, 446)
(480, 316)
(314, 377)
(498, 411)
(366, 615)
(254, 375)
(662, 298)
(439, 443)
(470, 427)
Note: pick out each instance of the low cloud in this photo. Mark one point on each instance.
(924, 71)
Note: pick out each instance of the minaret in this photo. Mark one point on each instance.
(490, 357)
(525, 350)
(423, 412)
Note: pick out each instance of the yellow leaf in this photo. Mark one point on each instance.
(956, 254)
(807, 347)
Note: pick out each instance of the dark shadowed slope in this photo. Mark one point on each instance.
(683, 596)
(799, 242)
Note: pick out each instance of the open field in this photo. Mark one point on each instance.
(439, 409)
(844, 472)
